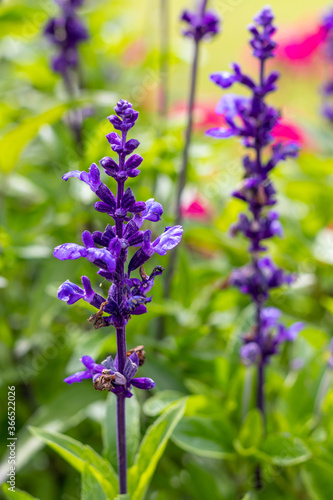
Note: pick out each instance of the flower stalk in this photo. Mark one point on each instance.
(202, 24)
(253, 120)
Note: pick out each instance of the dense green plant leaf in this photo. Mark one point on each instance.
(250, 496)
(317, 476)
(59, 415)
(12, 144)
(132, 429)
(152, 448)
(284, 450)
(90, 487)
(17, 494)
(77, 454)
(205, 436)
(250, 434)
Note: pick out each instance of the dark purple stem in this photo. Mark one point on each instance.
(121, 444)
(261, 365)
(121, 341)
(183, 171)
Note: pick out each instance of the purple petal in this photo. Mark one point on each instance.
(168, 240)
(69, 292)
(223, 79)
(72, 173)
(143, 383)
(77, 377)
(88, 239)
(95, 254)
(221, 133)
(68, 251)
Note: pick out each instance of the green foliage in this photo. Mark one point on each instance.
(215, 436)
(151, 450)
(18, 494)
(81, 457)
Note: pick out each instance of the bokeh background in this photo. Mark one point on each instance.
(42, 338)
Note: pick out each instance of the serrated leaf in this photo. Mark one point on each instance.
(206, 437)
(284, 450)
(132, 429)
(90, 487)
(151, 450)
(77, 454)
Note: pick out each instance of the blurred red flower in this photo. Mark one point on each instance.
(301, 46)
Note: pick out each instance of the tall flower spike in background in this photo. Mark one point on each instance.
(253, 120)
(108, 250)
(327, 89)
(201, 24)
(66, 33)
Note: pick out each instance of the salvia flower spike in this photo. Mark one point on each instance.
(327, 88)
(108, 250)
(253, 120)
(66, 33)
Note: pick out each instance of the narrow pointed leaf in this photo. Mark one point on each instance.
(76, 454)
(90, 487)
(151, 450)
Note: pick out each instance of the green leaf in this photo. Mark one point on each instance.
(206, 437)
(126, 496)
(317, 476)
(152, 448)
(17, 495)
(158, 403)
(12, 143)
(90, 487)
(283, 450)
(77, 454)
(59, 415)
(251, 433)
(250, 496)
(132, 429)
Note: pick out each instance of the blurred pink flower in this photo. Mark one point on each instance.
(286, 131)
(135, 52)
(204, 114)
(195, 209)
(302, 45)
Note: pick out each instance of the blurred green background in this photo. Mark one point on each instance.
(212, 452)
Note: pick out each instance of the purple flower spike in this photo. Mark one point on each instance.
(66, 33)
(252, 120)
(108, 250)
(327, 88)
(201, 24)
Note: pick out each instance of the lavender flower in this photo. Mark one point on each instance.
(260, 346)
(108, 250)
(66, 33)
(327, 88)
(253, 120)
(201, 24)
